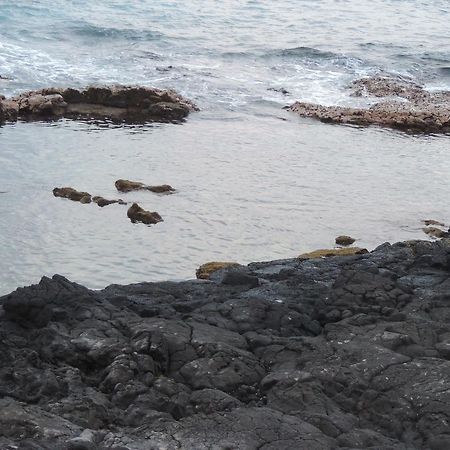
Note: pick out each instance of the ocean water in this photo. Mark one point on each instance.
(255, 182)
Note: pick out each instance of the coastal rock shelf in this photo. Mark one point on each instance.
(343, 352)
(118, 103)
(405, 106)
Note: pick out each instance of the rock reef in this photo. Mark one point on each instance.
(312, 354)
(404, 105)
(118, 103)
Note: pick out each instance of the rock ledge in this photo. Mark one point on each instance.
(118, 103)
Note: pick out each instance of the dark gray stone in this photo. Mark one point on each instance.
(290, 354)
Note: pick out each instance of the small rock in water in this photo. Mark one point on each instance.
(429, 222)
(436, 232)
(136, 214)
(101, 201)
(205, 270)
(345, 240)
(326, 253)
(72, 194)
(280, 90)
(128, 186)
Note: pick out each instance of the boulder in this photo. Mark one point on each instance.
(128, 186)
(136, 214)
(119, 103)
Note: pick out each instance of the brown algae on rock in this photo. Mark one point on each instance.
(205, 270)
(326, 253)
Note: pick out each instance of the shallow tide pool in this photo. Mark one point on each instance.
(249, 188)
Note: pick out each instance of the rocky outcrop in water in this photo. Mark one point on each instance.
(137, 214)
(84, 197)
(72, 194)
(129, 186)
(118, 103)
(312, 354)
(405, 106)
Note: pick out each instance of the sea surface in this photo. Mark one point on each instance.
(254, 181)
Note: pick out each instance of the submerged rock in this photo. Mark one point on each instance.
(344, 240)
(321, 354)
(128, 186)
(72, 194)
(326, 253)
(120, 103)
(136, 214)
(205, 270)
(413, 108)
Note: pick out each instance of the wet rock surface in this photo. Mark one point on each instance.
(329, 353)
(129, 186)
(404, 105)
(118, 103)
(137, 214)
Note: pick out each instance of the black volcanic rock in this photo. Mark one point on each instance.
(344, 352)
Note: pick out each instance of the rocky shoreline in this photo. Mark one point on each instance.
(404, 105)
(343, 352)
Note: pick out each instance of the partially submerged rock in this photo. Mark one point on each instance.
(428, 222)
(326, 253)
(136, 214)
(205, 270)
(413, 108)
(322, 354)
(101, 201)
(119, 103)
(128, 186)
(72, 194)
(84, 197)
(344, 240)
(436, 232)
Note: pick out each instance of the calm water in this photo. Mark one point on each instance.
(254, 181)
